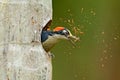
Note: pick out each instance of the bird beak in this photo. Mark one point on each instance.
(73, 39)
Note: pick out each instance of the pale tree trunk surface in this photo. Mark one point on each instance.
(21, 22)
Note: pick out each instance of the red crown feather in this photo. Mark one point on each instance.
(58, 28)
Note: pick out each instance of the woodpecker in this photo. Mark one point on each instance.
(50, 37)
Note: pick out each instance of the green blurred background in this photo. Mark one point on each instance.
(96, 55)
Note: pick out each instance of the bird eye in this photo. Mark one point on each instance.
(65, 32)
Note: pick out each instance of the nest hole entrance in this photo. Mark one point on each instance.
(43, 34)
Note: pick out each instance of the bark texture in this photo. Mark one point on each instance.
(21, 22)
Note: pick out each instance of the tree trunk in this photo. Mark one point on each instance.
(21, 22)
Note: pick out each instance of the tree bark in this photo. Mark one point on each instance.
(21, 22)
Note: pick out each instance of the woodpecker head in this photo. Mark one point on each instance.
(50, 37)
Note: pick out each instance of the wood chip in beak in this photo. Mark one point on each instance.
(73, 39)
